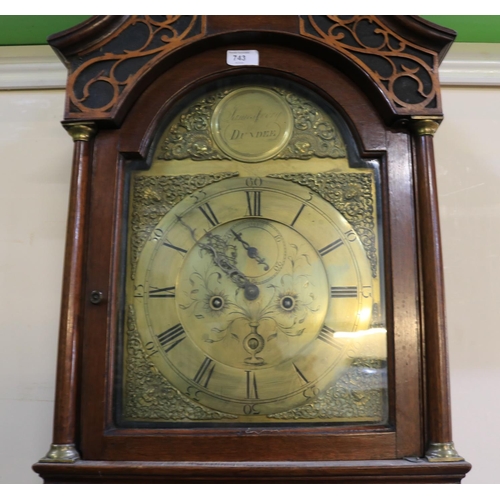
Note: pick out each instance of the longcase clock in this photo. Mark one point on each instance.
(253, 281)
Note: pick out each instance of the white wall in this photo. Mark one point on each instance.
(34, 186)
(35, 172)
(468, 170)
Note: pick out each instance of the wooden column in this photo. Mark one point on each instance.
(440, 446)
(63, 447)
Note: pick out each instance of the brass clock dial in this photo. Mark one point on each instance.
(243, 294)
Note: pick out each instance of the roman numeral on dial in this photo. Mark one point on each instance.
(332, 246)
(297, 215)
(179, 249)
(300, 374)
(168, 292)
(172, 337)
(326, 335)
(343, 292)
(252, 386)
(253, 202)
(207, 211)
(204, 373)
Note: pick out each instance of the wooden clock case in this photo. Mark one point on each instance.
(381, 74)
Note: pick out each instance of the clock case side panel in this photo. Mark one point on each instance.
(100, 438)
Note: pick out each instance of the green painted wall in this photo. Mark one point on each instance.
(475, 29)
(34, 30)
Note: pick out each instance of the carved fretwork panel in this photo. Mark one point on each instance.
(101, 75)
(406, 72)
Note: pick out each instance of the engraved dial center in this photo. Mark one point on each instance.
(266, 315)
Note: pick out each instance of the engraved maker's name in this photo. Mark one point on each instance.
(254, 116)
(257, 124)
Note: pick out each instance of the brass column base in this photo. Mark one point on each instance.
(61, 453)
(442, 452)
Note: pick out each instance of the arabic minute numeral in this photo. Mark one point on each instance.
(250, 410)
(151, 349)
(253, 182)
(350, 235)
(157, 235)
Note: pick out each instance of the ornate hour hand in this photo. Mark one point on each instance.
(252, 252)
(251, 290)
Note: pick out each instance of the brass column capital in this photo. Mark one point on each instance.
(81, 131)
(425, 125)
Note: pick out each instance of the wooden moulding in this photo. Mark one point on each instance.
(379, 471)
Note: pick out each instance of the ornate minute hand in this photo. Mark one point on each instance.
(251, 290)
(252, 252)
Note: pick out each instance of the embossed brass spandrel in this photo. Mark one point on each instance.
(253, 292)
